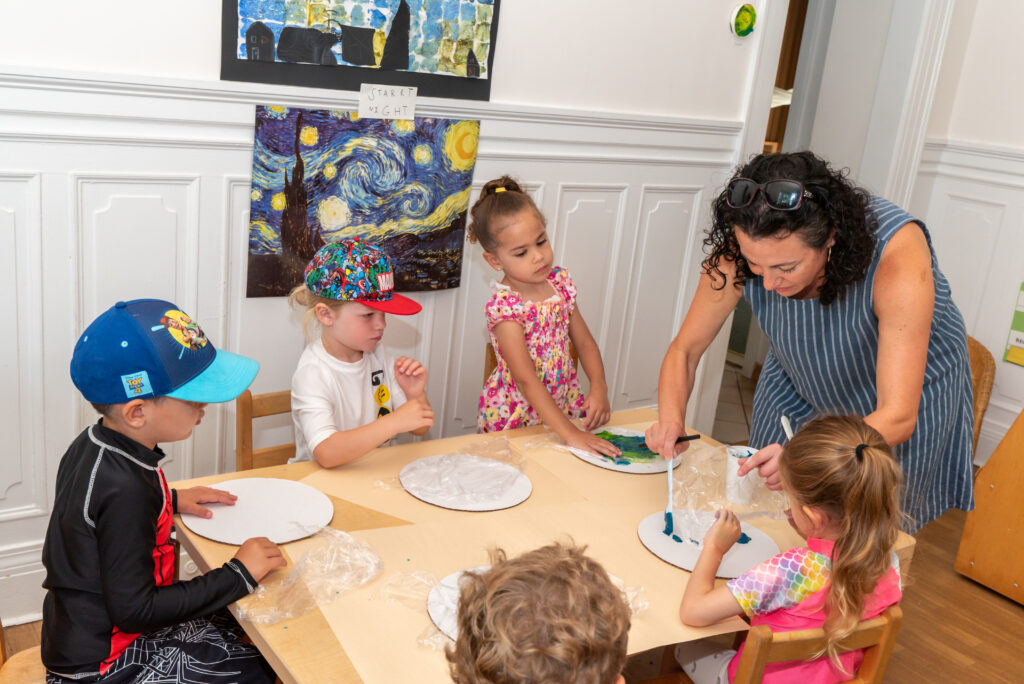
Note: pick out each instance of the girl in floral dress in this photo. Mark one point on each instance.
(531, 317)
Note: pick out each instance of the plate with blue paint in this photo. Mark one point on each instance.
(683, 546)
(635, 457)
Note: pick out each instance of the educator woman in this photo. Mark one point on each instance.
(860, 320)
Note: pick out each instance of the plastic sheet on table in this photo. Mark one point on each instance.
(411, 589)
(480, 471)
(636, 597)
(700, 485)
(336, 564)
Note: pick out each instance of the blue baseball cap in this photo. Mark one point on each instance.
(149, 348)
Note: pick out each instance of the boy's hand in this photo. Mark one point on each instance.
(598, 409)
(190, 500)
(724, 533)
(413, 415)
(592, 443)
(411, 376)
(259, 555)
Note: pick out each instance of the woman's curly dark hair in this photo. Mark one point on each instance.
(836, 204)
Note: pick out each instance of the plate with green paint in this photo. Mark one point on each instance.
(636, 458)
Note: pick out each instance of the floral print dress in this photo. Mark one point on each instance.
(546, 328)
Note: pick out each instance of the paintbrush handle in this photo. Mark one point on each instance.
(687, 438)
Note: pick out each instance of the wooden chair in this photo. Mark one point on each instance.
(876, 636)
(491, 361)
(983, 373)
(249, 406)
(24, 667)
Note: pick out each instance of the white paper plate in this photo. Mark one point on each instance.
(623, 465)
(464, 482)
(281, 510)
(443, 602)
(684, 552)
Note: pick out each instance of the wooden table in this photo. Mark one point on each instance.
(597, 507)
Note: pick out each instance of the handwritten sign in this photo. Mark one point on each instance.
(387, 102)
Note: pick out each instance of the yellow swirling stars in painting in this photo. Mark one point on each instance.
(309, 136)
(277, 202)
(422, 154)
(460, 142)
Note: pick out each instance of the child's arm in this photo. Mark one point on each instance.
(512, 342)
(411, 377)
(596, 405)
(347, 445)
(704, 604)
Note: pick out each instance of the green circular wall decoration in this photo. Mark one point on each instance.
(743, 20)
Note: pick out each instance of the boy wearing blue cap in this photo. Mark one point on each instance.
(348, 395)
(111, 612)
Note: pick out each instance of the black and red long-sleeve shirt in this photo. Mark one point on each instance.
(109, 557)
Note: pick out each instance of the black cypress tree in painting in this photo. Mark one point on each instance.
(298, 242)
(396, 48)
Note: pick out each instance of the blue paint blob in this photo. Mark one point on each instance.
(675, 537)
(744, 538)
(694, 541)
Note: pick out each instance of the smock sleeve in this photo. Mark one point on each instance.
(782, 581)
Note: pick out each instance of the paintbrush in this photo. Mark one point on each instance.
(669, 527)
(787, 428)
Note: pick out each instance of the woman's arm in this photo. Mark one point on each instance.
(708, 312)
(904, 299)
(511, 340)
(596, 404)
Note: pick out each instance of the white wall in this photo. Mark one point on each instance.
(970, 189)
(588, 54)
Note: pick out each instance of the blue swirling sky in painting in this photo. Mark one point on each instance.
(372, 178)
(431, 23)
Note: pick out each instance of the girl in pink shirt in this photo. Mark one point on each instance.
(843, 487)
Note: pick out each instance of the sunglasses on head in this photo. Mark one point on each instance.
(782, 194)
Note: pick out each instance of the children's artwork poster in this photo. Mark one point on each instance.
(443, 47)
(323, 175)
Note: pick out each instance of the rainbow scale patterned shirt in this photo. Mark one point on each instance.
(782, 581)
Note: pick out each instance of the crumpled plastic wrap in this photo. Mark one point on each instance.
(336, 564)
(493, 469)
(700, 486)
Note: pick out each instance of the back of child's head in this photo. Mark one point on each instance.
(350, 270)
(499, 199)
(548, 615)
(148, 349)
(844, 467)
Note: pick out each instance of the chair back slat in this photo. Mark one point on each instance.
(249, 407)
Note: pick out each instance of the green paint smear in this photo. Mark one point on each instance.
(634, 448)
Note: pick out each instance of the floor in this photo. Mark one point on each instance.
(735, 401)
(953, 628)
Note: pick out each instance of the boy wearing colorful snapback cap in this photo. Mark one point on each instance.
(348, 395)
(112, 612)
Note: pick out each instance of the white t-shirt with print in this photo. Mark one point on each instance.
(330, 395)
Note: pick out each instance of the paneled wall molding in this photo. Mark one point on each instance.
(971, 196)
(134, 188)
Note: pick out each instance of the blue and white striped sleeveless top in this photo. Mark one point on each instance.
(822, 361)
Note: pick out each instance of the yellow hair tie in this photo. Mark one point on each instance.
(497, 190)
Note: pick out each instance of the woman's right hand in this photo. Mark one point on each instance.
(661, 437)
(592, 443)
(767, 463)
(259, 555)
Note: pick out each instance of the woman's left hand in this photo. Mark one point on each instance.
(767, 463)
(597, 408)
(191, 500)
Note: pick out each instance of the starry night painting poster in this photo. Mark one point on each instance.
(324, 175)
(443, 47)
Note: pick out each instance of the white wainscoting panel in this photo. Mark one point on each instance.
(972, 199)
(112, 189)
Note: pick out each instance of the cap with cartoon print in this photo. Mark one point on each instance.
(149, 348)
(351, 270)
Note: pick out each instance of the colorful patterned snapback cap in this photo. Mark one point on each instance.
(149, 348)
(351, 270)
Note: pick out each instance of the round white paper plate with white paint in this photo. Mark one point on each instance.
(464, 482)
(443, 602)
(281, 510)
(632, 459)
(683, 547)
